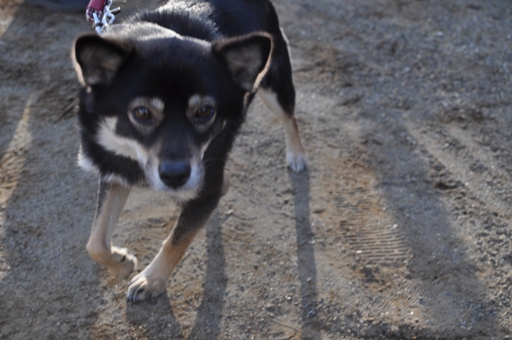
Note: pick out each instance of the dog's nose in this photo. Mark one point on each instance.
(174, 173)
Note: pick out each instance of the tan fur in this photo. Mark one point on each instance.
(295, 154)
(100, 246)
(152, 281)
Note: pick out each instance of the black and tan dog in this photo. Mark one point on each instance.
(164, 95)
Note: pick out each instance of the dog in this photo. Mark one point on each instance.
(162, 98)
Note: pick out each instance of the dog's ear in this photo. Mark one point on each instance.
(248, 57)
(96, 59)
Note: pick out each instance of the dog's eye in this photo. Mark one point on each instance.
(142, 115)
(204, 114)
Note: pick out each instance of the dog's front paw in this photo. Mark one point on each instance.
(123, 263)
(296, 161)
(144, 287)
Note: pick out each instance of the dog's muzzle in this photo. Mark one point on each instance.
(174, 173)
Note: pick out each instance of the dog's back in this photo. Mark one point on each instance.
(229, 18)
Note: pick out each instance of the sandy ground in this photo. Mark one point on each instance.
(399, 230)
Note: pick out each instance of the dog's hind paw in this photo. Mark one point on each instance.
(143, 287)
(296, 161)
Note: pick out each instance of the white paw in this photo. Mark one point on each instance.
(296, 161)
(123, 263)
(144, 287)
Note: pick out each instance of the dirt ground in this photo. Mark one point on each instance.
(399, 230)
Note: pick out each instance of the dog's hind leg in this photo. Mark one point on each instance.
(295, 154)
(111, 200)
(152, 281)
(278, 94)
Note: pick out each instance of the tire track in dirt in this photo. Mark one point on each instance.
(442, 262)
(481, 210)
(369, 246)
(367, 228)
(458, 156)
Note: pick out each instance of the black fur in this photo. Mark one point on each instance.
(143, 57)
(157, 65)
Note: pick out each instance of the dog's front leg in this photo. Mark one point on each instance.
(152, 281)
(111, 200)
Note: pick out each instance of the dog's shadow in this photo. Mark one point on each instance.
(306, 262)
(209, 314)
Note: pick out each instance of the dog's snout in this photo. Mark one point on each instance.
(174, 173)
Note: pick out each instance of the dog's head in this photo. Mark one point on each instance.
(158, 99)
